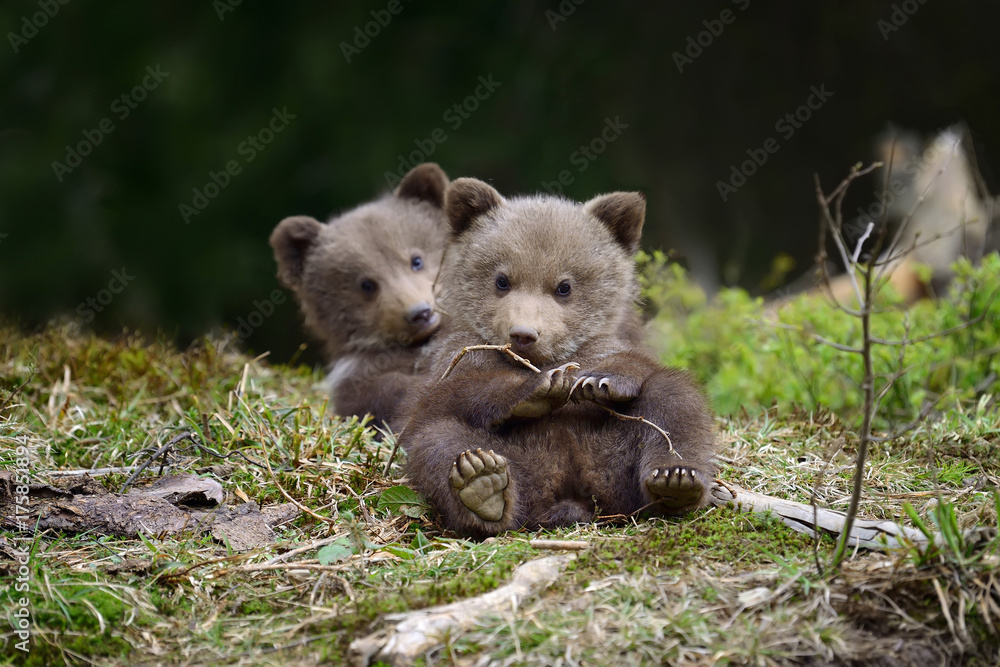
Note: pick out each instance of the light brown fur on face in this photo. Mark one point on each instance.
(538, 243)
(497, 446)
(364, 281)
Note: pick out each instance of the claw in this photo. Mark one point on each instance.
(677, 489)
(498, 461)
(488, 460)
(465, 466)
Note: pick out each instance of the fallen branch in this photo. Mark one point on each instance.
(411, 635)
(96, 472)
(805, 518)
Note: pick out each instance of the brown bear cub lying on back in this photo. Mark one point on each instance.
(495, 445)
(365, 283)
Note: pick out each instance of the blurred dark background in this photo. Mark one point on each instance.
(212, 74)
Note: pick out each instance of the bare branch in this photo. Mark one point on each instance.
(861, 242)
(835, 227)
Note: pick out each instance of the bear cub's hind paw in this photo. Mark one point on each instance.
(679, 488)
(480, 478)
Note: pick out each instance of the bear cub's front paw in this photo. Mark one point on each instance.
(552, 392)
(677, 489)
(604, 388)
(480, 478)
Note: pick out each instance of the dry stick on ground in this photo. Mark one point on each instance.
(410, 635)
(505, 349)
(813, 520)
(162, 451)
(395, 448)
(10, 399)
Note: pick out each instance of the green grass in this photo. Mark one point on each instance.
(715, 587)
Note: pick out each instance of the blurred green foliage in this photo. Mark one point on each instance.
(750, 360)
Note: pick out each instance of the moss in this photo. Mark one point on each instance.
(723, 535)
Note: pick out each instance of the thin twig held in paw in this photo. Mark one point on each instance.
(630, 418)
(505, 349)
(498, 348)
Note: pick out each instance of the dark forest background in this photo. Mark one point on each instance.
(563, 70)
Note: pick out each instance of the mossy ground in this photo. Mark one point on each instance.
(716, 587)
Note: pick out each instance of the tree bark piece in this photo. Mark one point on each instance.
(160, 509)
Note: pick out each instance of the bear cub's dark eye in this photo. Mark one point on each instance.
(417, 263)
(502, 283)
(563, 289)
(368, 286)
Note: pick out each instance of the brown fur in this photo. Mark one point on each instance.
(566, 458)
(372, 336)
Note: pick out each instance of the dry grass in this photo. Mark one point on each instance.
(717, 587)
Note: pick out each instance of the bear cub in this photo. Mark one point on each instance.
(495, 445)
(364, 281)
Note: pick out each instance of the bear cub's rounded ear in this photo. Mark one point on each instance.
(291, 240)
(623, 213)
(425, 182)
(466, 200)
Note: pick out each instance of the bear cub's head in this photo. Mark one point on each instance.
(365, 279)
(543, 273)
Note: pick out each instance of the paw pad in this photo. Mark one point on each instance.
(480, 478)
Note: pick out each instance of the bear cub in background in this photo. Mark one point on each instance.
(364, 281)
(495, 445)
